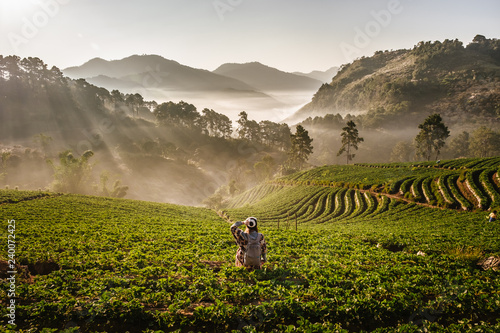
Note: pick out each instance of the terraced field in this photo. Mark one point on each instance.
(365, 248)
(465, 184)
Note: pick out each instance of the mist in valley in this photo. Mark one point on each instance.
(275, 106)
(176, 165)
(158, 138)
(183, 166)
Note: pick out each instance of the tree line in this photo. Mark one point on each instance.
(214, 124)
(482, 142)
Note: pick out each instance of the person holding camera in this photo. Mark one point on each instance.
(493, 216)
(252, 245)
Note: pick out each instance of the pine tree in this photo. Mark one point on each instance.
(300, 148)
(350, 140)
(431, 137)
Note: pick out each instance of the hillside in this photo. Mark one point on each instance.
(266, 78)
(358, 261)
(395, 88)
(460, 184)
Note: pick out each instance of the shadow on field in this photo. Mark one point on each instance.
(43, 267)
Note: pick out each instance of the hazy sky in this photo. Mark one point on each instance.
(291, 35)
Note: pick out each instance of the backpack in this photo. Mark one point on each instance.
(252, 253)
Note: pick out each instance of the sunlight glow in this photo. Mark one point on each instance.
(16, 7)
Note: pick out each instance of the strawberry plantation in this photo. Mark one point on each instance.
(365, 248)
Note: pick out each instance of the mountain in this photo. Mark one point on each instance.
(267, 79)
(325, 76)
(44, 113)
(461, 83)
(112, 83)
(152, 71)
(160, 79)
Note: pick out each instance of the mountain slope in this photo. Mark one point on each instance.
(445, 77)
(152, 71)
(266, 78)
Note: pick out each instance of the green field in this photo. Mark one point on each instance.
(345, 245)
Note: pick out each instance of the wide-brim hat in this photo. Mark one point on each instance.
(251, 222)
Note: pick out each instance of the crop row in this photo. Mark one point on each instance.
(311, 204)
(474, 188)
(489, 179)
(455, 164)
(356, 176)
(319, 204)
(347, 209)
(253, 195)
(464, 163)
(465, 189)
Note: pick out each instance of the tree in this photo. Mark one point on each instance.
(265, 168)
(177, 114)
(118, 191)
(248, 129)
(215, 124)
(135, 101)
(350, 140)
(214, 201)
(402, 152)
(459, 145)
(283, 137)
(479, 39)
(117, 97)
(431, 137)
(484, 142)
(275, 134)
(300, 148)
(72, 173)
(4, 158)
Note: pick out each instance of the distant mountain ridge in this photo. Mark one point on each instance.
(263, 91)
(325, 76)
(118, 68)
(152, 71)
(461, 83)
(266, 78)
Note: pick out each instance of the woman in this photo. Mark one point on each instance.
(252, 246)
(493, 216)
